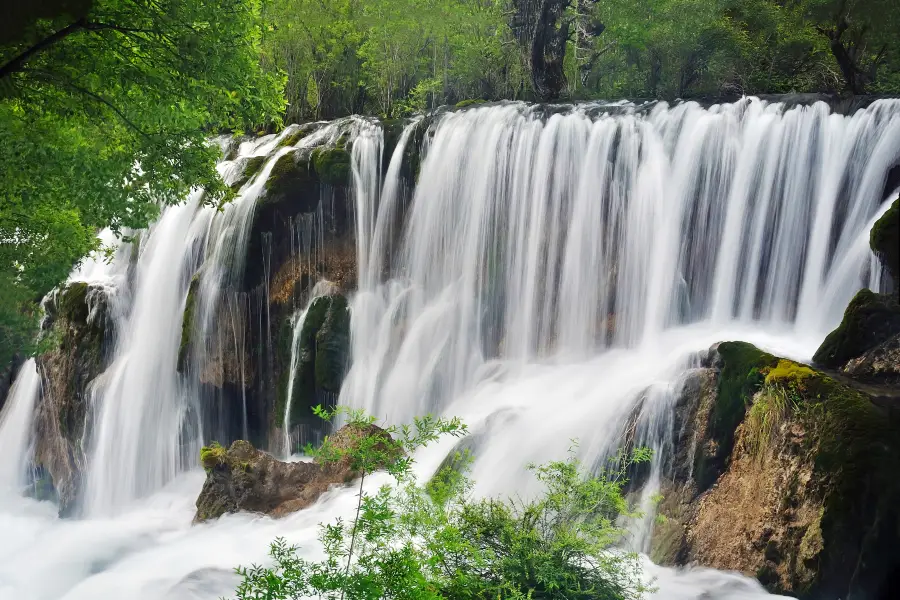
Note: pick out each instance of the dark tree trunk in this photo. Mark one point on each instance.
(542, 30)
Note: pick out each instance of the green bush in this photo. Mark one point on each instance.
(433, 541)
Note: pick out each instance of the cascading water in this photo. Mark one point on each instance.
(558, 269)
(15, 427)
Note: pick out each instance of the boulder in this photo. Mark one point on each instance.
(806, 497)
(75, 343)
(870, 319)
(880, 365)
(885, 242)
(244, 479)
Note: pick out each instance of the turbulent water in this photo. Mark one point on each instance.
(554, 268)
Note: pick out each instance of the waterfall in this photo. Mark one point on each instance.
(550, 278)
(534, 237)
(16, 425)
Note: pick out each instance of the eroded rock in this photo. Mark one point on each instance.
(805, 498)
(244, 479)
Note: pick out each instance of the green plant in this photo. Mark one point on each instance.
(431, 541)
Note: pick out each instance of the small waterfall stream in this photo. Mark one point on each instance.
(552, 270)
(16, 428)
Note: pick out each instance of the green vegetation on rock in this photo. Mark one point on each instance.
(332, 165)
(251, 168)
(885, 241)
(292, 180)
(213, 455)
(187, 322)
(743, 374)
(869, 320)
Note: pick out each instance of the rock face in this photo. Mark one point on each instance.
(243, 478)
(870, 319)
(885, 242)
(76, 324)
(785, 474)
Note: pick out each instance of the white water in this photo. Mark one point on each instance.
(552, 272)
(16, 423)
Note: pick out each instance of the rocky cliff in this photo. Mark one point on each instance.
(788, 472)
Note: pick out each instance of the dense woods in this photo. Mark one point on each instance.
(106, 105)
(392, 57)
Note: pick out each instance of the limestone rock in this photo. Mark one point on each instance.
(805, 498)
(243, 478)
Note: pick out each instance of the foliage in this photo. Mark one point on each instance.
(105, 116)
(436, 541)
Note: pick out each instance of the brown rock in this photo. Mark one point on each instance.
(243, 478)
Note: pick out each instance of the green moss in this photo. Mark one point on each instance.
(741, 377)
(293, 138)
(332, 165)
(292, 179)
(187, 322)
(73, 302)
(251, 168)
(332, 344)
(788, 372)
(869, 320)
(470, 102)
(885, 241)
(213, 455)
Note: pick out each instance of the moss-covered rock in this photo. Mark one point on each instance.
(323, 348)
(250, 168)
(187, 323)
(808, 499)
(292, 180)
(332, 165)
(870, 319)
(885, 241)
(73, 354)
(742, 374)
(243, 478)
(469, 102)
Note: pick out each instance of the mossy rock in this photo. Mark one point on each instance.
(742, 374)
(251, 167)
(291, 139)
(470, 102)
(332, 165)
(213, 456)
(187, 322)
(332, 346)
(292, 180)
(870, 319)
(855, 451)
(323, 348)
(885, 241)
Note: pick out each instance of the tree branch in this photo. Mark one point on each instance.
(19, 61)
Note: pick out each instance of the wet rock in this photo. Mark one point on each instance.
(244, 479)
(880, 365)
(323, 351)
(870, 319)
(806, 498)
(75, 329)
(885, 242)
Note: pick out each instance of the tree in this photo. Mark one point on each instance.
(105, 113)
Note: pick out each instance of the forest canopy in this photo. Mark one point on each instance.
(107, 106)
